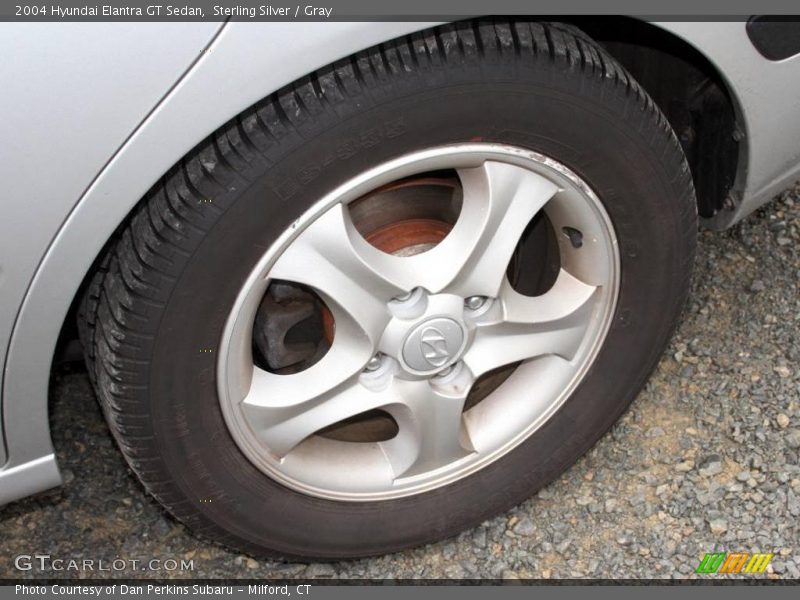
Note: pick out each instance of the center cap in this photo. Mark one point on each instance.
(433, 344)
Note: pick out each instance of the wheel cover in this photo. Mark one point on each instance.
(411, 338)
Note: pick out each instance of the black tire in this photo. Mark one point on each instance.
(167, 284)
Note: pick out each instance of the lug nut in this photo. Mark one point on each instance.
(445, 372)
(475, 302)
(405, 297)
(374, 363)
(409, 305)
(449, 375)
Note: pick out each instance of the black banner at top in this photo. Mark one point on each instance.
(370, 10)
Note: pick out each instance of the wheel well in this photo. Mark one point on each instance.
(683, 83)
(689, 91)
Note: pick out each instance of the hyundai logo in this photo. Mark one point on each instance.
(433, 347)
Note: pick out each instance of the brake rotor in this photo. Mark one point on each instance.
(409, 237)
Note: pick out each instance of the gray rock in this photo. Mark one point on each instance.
(525, 527)
(711, 465)
(793, 438)
(718, 526)
(319, 571)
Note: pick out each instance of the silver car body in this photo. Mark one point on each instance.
(94, 114)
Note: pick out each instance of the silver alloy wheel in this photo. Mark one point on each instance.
(407, 340)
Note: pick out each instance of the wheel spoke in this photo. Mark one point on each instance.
(275, 400)
(553, 323)
(430, 427)
(281, 421)
(331, 257)
(499, 201)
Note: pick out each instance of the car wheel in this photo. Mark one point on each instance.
(396, 297)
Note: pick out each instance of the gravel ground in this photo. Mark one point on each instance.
(706, 459)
